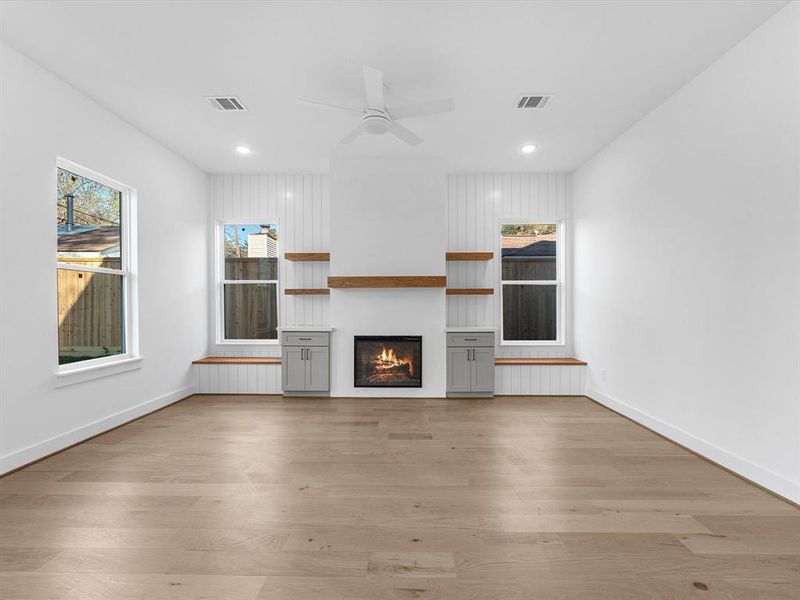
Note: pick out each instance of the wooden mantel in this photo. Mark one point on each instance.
(388, 281)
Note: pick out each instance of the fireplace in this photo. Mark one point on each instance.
(388, 361)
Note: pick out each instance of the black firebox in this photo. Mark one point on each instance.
(388, 361)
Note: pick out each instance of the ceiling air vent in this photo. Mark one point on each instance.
(226, 103)
(534, 101)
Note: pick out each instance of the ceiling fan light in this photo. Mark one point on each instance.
(376, 125)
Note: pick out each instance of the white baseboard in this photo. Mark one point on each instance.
(774, 482)
(20, 458)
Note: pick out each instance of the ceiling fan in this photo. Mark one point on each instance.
(377, 118)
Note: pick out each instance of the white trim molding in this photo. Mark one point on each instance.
(85, 370)
(101, 367)
(220, 282)
(37, 451)
(770, 480)
(560, 282)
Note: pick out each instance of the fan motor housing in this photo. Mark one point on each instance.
(376, 121)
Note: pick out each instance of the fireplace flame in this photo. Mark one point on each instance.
(388, 359)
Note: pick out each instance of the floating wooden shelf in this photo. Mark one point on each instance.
(469, 255)
(388, 281)
(572, 362)
(470, 291)
(238, 360)
(307, 256)
(307, 291)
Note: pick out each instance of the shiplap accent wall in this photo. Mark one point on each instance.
(301, 205)
(539, 380)
(476, 204)
(237, 379)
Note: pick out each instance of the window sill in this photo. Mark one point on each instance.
(248, 343)
(532, 344)
(81, 374)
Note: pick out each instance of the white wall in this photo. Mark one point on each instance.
(687, 263)
(300, 205)
(475, 204)
(389, 217)
(41, 118)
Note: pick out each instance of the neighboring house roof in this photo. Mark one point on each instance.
(99, 239)
(523, 246)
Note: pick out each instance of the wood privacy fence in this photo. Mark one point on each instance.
(529, 311)
(90, 308)
(251, 310)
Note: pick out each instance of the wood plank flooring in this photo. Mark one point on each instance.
(257, 497)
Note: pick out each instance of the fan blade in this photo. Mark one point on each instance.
(404, 134)
(373, 88)
(326, 106)
(353, 134)
(422, 109)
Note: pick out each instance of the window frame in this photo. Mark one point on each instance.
(559, 283)
(220, 281)
(130, 358)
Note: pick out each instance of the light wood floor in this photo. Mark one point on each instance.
(233, 497)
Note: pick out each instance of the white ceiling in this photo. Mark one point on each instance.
(608, 63)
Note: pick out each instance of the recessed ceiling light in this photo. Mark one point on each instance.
(528, 149)
(243, 149)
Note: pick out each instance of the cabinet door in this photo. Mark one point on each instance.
(458, 369)
(482, 372)
(318, 372)
(293, 369)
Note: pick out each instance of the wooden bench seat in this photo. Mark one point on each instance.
(526, 377)
(572, 362)
(238, 360)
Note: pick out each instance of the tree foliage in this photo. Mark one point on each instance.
(531, 229)
(93, 204)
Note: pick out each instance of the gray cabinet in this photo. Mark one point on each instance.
(482, 370)
(318, 370)
(459, 374)
(306, 362)
(470, 363)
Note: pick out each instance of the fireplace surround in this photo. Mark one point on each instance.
(387, 361)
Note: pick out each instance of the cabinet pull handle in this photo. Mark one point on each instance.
(302, 353)
(304, 339)
(470, 339)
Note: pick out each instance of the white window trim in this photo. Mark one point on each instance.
(86, 370)
(560, 282)
(220, 281)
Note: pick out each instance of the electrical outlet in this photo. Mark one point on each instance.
(603, 375)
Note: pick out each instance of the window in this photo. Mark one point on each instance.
(531, 282)
(94, 269)
(249, 288)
